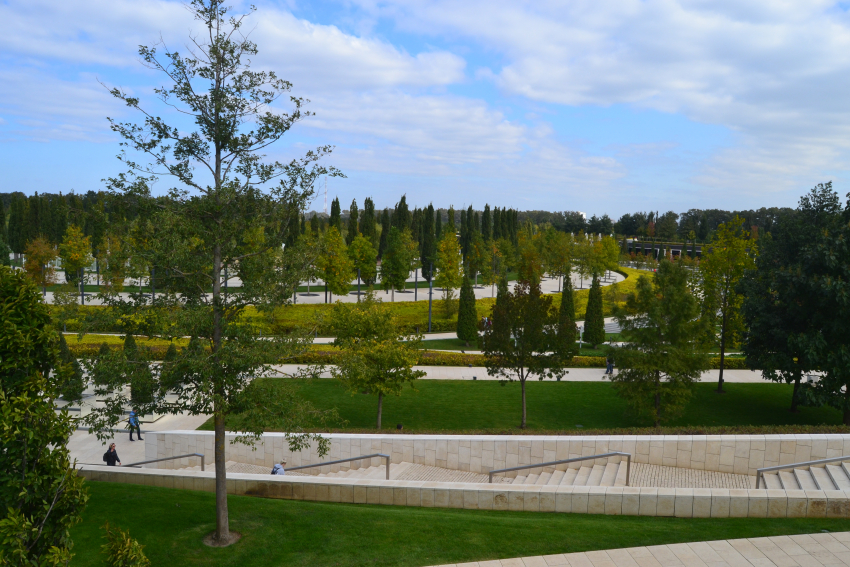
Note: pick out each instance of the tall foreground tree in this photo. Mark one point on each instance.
(233, 216)
(729, 256)
(663, 356)
(42, 495)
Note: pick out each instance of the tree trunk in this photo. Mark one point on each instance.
(657, 400)
(222, 521)
(380, 408)
(722, 353)
(796, 392)
(522, 384)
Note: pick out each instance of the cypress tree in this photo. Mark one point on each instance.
(17, 224)
(464, 236)
(353, 217)
(3, 235)
(314, 224)
(497, 224)
(401, 215)
(450, 221)
(567, 332)
(438, 224)
(594, 323)
(467, 318)
(335, 220)
(486, 224)
(303, 223)
(71, 389)
(476, 223)
(385, 232)
(367, 221)
(428, 252)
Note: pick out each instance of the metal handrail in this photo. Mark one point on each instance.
(168, 459)
(385, 457)
(760, 472)
(573, 460)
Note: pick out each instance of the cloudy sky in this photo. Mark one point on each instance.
(603, 107)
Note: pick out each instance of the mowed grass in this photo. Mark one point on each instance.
(171, 524)
(455, 405)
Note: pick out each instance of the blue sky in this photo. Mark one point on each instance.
(598, 107)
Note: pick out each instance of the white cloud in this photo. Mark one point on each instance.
(776, 72)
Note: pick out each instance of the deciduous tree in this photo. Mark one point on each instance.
(377, 357)
(449, 273)
(730, 254)
(522, 340)
(364, 258)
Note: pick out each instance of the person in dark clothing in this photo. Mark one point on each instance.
(111, 456)
(134, 425)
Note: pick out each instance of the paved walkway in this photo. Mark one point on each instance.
(86, 448)
(575, 374)
(317, 290)
(810, 550)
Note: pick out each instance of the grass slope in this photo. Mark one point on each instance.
(171, 523)
(454, 405)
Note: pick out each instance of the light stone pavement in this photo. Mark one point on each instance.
(86, 448)
(317, 290)
(656, 476)
(807, 550)
(575, 374)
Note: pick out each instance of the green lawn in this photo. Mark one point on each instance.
(454, 405)
(171, 524)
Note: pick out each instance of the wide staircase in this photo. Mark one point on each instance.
(827, 477)
(594, 475)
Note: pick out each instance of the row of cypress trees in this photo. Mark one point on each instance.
(594, 323)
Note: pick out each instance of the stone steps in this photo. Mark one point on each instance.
(829, 477)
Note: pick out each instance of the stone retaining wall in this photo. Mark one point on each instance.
(739, 454)
(678, 502)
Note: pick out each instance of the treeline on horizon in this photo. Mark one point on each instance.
(25, 218)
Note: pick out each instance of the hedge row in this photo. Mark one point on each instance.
(323, 354)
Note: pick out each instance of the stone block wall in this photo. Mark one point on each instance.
(678, 502)
(739, 454)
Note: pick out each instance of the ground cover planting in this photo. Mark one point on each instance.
(171, 524)
(487, 406)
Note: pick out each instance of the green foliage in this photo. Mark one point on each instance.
(121, 550)
(777, 309)
(467, 318)
(664, 355)
(42, 496)
(522, 338)
(376, 356)
(594, 322)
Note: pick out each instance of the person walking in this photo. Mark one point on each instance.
(110, 457)
(609, 366)
(134, 424)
